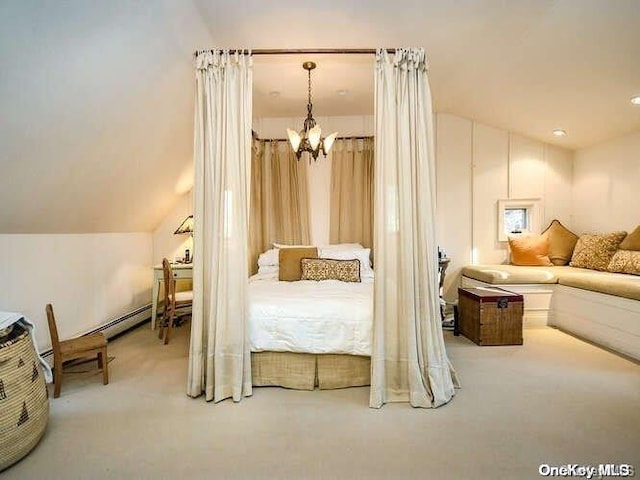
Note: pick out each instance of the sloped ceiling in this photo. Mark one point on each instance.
(97, 97)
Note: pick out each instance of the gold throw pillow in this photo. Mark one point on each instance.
(561, 243)
(595, 251)
(530, 250)
(632, 242)
(328, 269)
(289, 262)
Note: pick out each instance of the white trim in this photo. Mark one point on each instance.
(113, 327)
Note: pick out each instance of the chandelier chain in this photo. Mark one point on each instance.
(309, 73)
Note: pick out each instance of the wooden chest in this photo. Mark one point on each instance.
(490, 316)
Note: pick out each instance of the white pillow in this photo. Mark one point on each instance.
(268, 269)
(362, 254)
(269, 258)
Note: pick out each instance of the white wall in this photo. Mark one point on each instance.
(605, 186)
(477, 165)
(165, 243)
(89, 278)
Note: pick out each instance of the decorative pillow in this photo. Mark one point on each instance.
(594, 251)
(362, 254)
(269, 258)
(561, 243)
(625, 261)
(289, 270)
(327, 269)
(530, 250)
(632, 242)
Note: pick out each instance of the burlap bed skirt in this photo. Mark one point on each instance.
(305, 371)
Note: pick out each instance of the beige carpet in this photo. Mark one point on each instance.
(555, 400)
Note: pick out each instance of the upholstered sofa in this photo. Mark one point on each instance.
(600, 306)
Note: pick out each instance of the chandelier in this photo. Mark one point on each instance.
(309, 139)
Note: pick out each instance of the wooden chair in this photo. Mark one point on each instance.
(172, 302)
(75, 348)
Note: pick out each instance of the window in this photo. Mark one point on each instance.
(518, 216)
(516, 220)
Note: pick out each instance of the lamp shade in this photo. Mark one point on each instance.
(314, 137)
(294, 139)
(328, 142)
(186, 226)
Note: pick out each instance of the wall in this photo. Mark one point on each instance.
(605, 185)
(477, 165)
(165, 243)
(89, 278)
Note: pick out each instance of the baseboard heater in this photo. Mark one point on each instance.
(114, 327)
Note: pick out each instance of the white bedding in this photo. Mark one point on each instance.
(310, 317)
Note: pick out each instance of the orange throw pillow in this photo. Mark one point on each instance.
(530, 251)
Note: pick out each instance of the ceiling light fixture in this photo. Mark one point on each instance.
(558, 132)
(635, 99)
(309, 139)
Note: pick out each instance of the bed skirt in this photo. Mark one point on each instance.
(305, 371)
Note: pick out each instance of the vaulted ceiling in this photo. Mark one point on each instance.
(97, 97)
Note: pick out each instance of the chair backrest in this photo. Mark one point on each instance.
(169, 281)
(53, 330)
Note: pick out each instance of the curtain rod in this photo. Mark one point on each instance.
(255, 137)
(305, 51)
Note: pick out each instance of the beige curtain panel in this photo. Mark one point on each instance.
(219, 354)
(409, 361)
(351, 218)
(279, 209)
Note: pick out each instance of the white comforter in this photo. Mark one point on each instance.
(310, 317)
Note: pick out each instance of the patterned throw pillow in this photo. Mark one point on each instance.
(326, 269)
(594, 251)
(625, 261)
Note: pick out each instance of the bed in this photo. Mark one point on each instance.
(305, 333)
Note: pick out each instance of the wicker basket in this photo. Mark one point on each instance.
(24, 402)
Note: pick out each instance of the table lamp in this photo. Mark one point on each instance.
(186, 227)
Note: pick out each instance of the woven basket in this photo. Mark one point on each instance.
(24, 402)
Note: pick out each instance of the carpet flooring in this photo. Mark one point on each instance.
(555, 400)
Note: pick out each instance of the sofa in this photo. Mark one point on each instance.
(578, 288)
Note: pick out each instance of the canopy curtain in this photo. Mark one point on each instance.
(279, 209)
(219, 356)
(351, 218)
(409, 361)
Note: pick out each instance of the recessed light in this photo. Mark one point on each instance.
(342, 92)
(558, 132)
(275, 93)
(635, 100)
